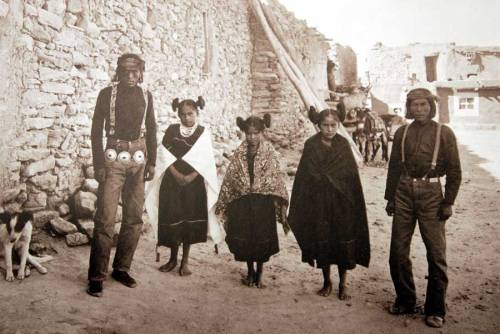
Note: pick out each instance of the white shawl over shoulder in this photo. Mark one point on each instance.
(201, 158)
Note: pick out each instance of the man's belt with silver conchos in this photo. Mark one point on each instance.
(124, 155)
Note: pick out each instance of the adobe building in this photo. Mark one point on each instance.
(465, 79)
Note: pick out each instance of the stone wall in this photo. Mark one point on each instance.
(273, 92)
(60, 53)
(11, 67)
(346, 69)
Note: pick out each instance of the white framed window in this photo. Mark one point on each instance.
(466, 106)
(466, 103)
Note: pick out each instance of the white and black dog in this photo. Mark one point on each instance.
(15, 234)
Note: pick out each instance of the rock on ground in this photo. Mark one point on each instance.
(62, 226)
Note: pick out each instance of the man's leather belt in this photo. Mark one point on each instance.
(417, 179)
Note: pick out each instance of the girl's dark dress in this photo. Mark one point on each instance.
(182, 216)
(251, 227)
(327, 209)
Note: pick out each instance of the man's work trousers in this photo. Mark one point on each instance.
(125, 179)
(419, 201)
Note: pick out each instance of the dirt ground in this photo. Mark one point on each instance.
(212, 300)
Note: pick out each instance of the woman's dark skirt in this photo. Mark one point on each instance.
(251, 228)
(182, 216)
(334, 240)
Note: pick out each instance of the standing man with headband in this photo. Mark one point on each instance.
(125, 111)
(423, 152)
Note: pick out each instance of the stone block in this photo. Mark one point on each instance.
(47, 74)
(55, 138)
(70, 19)
(12, 207)
(57, 7)
(84, 204)
(35, 98)
(76, 73)
(265, 76)
(33, 154)
(89, 172)
(148, 32)
(39, 166)
(22, 197)
(45, 181)
(10, 194)
(36, 201)
(85, 153)
(62, 226)
(57, 88)
(63, 209)
(30, 10)
(63, 179)
(80, 59)
(67, 143)
(42, 217)
(64, 162)
(29, 112)
(25, 41)
(38, 123)
(90, 28)
(53, 111)
(68, 37)
(31, 139)
(76, 239)
(79, 119)
(87, 226)
(98, 74)
(74, 6)
(90, 185)
(50, 19)
(59, 59)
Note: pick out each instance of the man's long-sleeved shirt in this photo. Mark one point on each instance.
(129, 113)
(419, 149)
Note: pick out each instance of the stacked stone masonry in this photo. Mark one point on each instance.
(60, 53)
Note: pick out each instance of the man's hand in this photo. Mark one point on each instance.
(390, 208)
(445, 211)
(149, 172)
(100, 174)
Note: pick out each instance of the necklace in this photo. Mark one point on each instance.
(188, 131)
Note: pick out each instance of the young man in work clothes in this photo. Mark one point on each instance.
(125, 111)
(423, 152)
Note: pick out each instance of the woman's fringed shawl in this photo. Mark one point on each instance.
(268, 179)
(339, 169)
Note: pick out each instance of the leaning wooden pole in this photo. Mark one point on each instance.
(305, 90)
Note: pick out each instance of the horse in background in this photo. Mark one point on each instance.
(354, 124)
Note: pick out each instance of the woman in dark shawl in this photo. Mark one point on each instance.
(253, 197)
(327, 208)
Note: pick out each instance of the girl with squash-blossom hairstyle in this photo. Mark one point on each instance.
(252, 199)
(327, 208)
(182, 196)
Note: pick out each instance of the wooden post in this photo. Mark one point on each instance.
(306, 92)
